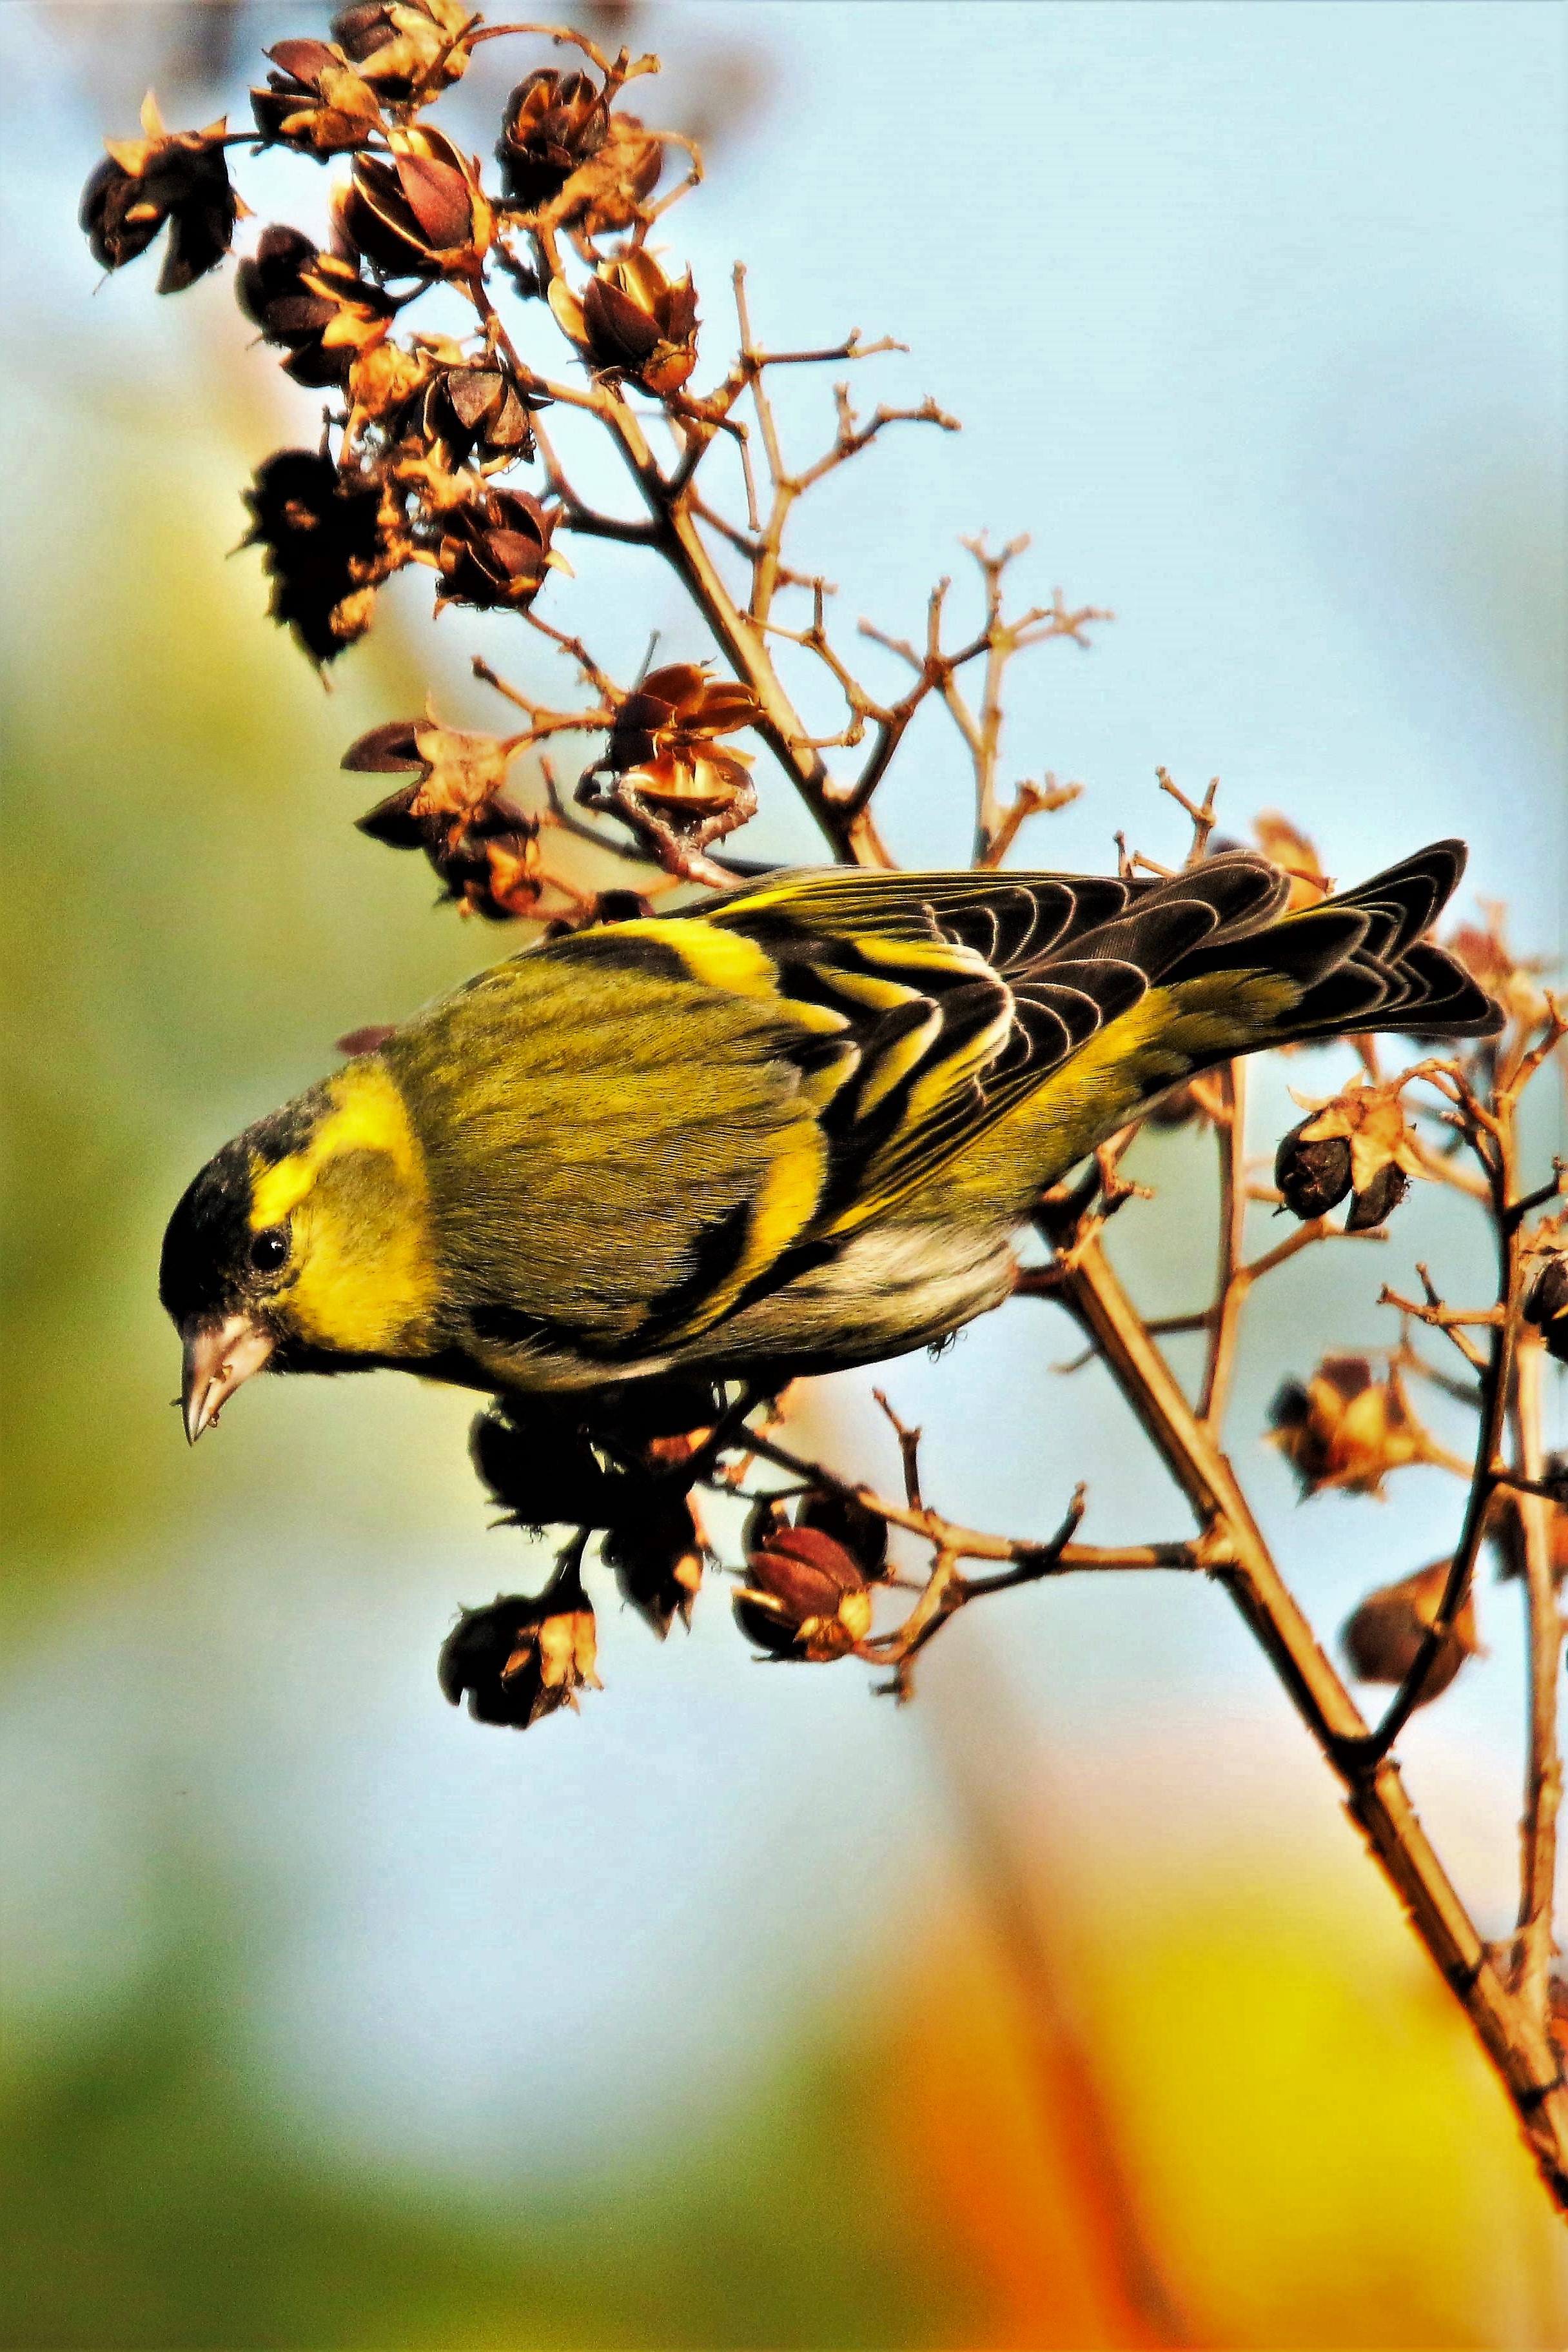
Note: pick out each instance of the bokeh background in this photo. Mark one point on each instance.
(1062, 2008)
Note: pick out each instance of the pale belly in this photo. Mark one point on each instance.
(892, 1289)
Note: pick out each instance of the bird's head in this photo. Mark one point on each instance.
(303, 1244)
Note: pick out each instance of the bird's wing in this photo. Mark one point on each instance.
(942, 1000)
(915, 1013)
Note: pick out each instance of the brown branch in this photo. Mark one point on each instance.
(1230, 1291)
(1237, 1553)
(1028, 800)
(1534, 1946)
(678, 538)
(1204, 819)
(543, 718)
(948, 1536)
(908, 1449)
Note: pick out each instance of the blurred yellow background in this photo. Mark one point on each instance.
(1062, 2008)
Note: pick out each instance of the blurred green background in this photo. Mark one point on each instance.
(1062, 2008)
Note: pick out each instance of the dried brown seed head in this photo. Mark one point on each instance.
(1382, 1636)
(632, 320)
(495, 550)
(519, 1660)
(1377, 1201)
(807, 1597)
(383, 380)
(861, 1533)
(608, 193)
(488, 859)
(1344, 1428)
(542, 1470)
(1514, 980)
(1313, 1175)
(177, 179)
(553, 123)
(410, 50)
(498, 875)
(478, 413)
(312, 305)
(328, 541)
(662, 742)
(1546, 1299)
(657, 1556)
(421, 215)
(315, 100)
(458, 772)
(1361, 1136)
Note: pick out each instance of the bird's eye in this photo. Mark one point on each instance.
(270, 1249)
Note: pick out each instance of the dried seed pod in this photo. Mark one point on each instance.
(553, 123)
(484, 847)
(315, 100)
(1382, 1636)
(1345, 1429)
(519, 1660)
(1313, 1174)
(328, 541)
(489, 861)
(807, 1597)
(607, 193)
(423, 215)
(662, 742)
(632, 320)
(1358, 1141)
(1513, 981)
(1377, 1202)
(479, 413)
(458, 773)
(495, 550)
(313, 305)
(1546, 1304)
(409, 49)
(178, 179)
(495, 868)
(541, 1469)
(845, 1517)
(657, 1556)
(637, 1412)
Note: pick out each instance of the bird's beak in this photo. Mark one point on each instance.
(219, 1357)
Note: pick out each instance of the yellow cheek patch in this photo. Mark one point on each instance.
(365, 1278)
(367, 1115)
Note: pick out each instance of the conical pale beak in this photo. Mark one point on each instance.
(219, 1358)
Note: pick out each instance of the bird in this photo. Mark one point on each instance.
(793, 1129)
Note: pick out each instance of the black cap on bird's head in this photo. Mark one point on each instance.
(222, 1275)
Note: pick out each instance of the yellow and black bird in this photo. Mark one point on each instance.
(792, 1129)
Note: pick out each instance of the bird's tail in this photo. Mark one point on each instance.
(1225, 973)
(1358, 961)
